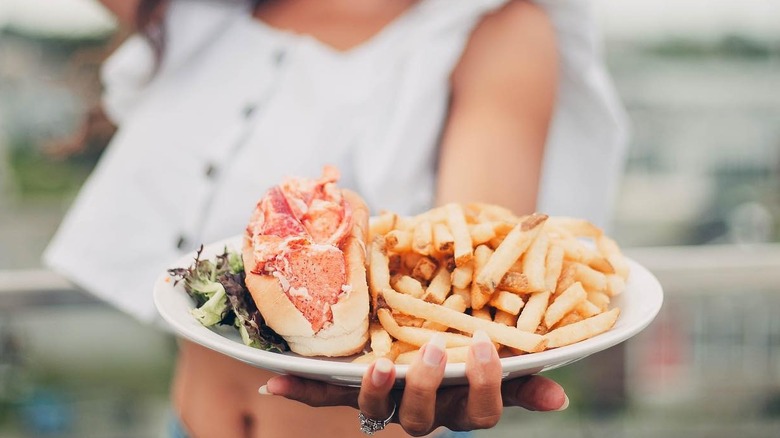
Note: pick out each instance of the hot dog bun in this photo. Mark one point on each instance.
(348, 332)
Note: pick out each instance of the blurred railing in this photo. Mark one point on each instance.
(717, 334)
(38, 287)
(680, 269)
(716, 268)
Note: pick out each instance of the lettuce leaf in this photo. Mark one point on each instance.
(219, 290)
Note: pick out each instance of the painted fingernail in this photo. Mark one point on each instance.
(271, 387)
(381, 373)
(434, 350)
(564, 405)
(483, 346)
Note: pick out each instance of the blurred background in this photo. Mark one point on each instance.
(699, 206)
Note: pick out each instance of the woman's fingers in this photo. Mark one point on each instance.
(374, 399)
(418, 405)
(535, 393)
(483, 370)
(311, 392)
(476, 406)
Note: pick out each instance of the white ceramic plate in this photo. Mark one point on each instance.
(639, 304)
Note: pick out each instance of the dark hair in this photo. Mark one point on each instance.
(149, 22)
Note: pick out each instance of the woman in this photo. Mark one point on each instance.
(416, 102)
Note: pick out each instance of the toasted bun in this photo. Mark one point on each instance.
(349, 331)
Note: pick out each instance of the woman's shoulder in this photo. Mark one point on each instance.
(505, 43)
(516, 18)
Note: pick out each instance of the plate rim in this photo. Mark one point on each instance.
(333, 368)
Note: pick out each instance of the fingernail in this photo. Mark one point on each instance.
(381, 373)
(483, 346)
(565, 404)
(267, 389)
(434, 350)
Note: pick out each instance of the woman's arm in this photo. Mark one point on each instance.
(502, 101)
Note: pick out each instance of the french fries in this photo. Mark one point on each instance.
(408, 285)
(381, 342)
(422, 239)
(439, 287)
(581, 330)
(507, 302)
(534, 263)
(417, 335)
(500, 333)
(378, 269)
(480, 297)
(460, 234)
(530, 283)
(455, 302)
(567, 301)
(507, 253)
(533, 312)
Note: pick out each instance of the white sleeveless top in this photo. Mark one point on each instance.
(237, 105)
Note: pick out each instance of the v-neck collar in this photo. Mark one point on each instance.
(377, 39)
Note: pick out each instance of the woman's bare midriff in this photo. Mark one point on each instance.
(216, 396)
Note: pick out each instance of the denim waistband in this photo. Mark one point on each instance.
(176, 430)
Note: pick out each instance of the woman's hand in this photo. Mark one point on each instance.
(422, 405)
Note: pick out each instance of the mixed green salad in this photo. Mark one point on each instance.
(221, 297)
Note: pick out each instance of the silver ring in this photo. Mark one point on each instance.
(369, 426)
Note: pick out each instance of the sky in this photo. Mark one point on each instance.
(74, 18)
(632, 20)
(698, 19)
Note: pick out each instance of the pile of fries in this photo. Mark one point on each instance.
(531, 282)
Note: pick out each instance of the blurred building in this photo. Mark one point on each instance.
(699, 205)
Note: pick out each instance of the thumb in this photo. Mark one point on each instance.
(535, 393)
(310, 392)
